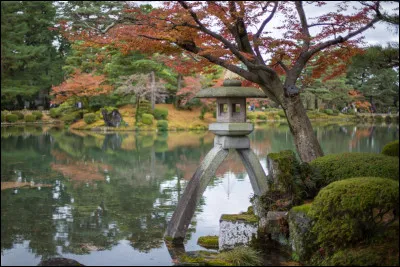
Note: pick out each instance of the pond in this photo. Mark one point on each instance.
(105, 199)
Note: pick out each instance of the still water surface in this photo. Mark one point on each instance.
(105, 199)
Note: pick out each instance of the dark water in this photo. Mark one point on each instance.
(105, 199)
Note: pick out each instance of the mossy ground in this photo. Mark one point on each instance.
(208, 241)
(250, 218)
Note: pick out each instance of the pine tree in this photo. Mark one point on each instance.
(30, 63)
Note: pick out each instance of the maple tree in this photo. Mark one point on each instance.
(228, 32)
(80, 85)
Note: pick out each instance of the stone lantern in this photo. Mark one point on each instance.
(231, 130)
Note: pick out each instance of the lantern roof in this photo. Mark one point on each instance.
(231, 88)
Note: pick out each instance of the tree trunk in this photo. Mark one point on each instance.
(137, 109)
(306, 142)
(153, 85)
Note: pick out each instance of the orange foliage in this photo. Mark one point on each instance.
(80, 85)
(211, 30)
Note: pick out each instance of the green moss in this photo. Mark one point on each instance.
(370, 255)
(341, 166)
(208, 241)
(346, 212)
(305, 208)
(240, 217)
(391, 149)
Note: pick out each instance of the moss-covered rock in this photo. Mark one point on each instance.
(281, 169)
(341, 166)
(352, 210)
(208, 241)
(391, 149)
(302, 240)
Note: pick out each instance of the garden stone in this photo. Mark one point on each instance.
(112, 119)
(276, 226)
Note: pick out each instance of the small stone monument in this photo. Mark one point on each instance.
(231, 131)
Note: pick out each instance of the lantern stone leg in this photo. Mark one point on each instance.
(256, 173)
(178, 225)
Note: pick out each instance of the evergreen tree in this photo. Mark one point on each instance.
(30, 63)
(376, 74)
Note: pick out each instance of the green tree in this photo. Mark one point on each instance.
(376, 74)
(30, 63)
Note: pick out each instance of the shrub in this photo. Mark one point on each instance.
(55, 112)
(281, 114)
(160, 113)
(147, 118)
(37, 114)
(277, 117)
(391, 149)
(251, 116)
(262, 116)
(335, 112)
(341, 166)
(89, 118)
(328, 111)
(11, 117)
(202, 113)
(348, 211)
(70, 117)
(3, 117)
(20, 115)
(30, 118)
(214, 113)
(162, 125)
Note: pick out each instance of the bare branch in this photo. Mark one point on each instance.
(265, 22)
(340, 39)
(228, 44)
(304, 28)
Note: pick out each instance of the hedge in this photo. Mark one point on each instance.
(160, 114)
(71, 117)
(341, 166)
(20, 115)
(343, 210)
(89, 118)
(55, 113)
(262, 116)
(30, 118)
(147, 118)
(328, 111)
(11, 117)
(281, 114)
(251, 116)
(37, 114)
(391, 149)
(162, 125)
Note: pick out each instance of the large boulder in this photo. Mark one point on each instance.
(112, 119)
